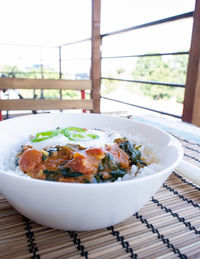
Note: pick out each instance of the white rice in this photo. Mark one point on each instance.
(149, 155)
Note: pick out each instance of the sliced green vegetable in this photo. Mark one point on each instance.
(45, 135)
(72, 133)
(93, 136)
(75, 129)
(65, 132)
(75, 133)
(76, 136)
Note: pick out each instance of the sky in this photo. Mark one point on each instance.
(55, 22)
(44, 22)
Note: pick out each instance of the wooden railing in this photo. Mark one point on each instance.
(45, 104)
(191, 110)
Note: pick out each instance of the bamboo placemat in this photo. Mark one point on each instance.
(167, 227)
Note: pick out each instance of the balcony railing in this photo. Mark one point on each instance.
(97, 58)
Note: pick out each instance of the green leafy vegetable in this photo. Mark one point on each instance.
(98, 178)
(67, 173)
(52, 179)
(142, 163)
(62, 173)
(101, 166)
(87, 181)
(47, 172)
(51, 175)
(51, 150)
(129, 148)
(116, 174)
(17, 161)
(44, 157)
(110, 162)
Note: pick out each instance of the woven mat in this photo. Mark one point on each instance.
(167, 227)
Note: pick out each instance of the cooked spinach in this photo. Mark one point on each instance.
(44, 157)
(47, 172)
(142, 163)
(62, 173)
(52, 179)
(67, 173)
(132, 151)
(51, 175)
(51, 150)
(116, 174)
(98, 178)
(101, 166)
(17, 161)
(87, 181)
(110, 162)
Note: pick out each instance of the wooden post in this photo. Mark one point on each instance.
(60, 62)
(60, 68)
(96, 55)
(196, 113)
(83, 98)
(1, 115)
(191, 108)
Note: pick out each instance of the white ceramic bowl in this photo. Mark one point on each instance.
(71, 206)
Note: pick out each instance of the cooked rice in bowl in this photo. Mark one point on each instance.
(79, 207)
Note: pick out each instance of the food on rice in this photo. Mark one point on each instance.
(79, 155)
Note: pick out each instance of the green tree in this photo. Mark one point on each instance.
(108, 86)
(158, 69)
(11, 71)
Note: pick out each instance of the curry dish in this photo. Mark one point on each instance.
(75, 163)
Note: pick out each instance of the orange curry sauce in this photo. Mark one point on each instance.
(72, 163)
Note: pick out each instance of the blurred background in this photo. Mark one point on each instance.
(144, 66)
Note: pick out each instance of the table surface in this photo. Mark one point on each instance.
(167, 227)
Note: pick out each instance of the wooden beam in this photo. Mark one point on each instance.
(43, 104)
(196, 110)
(192, 99)
(27, 83)
(96, 55)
